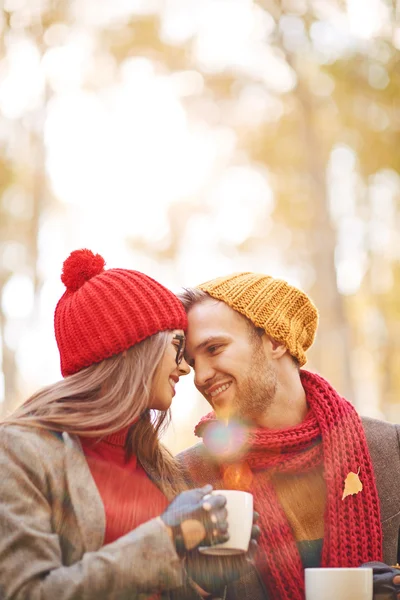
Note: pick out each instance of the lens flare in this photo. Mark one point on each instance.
(226, 442)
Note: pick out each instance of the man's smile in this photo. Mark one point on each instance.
(217, 389)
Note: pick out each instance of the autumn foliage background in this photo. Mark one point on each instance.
(194, 138)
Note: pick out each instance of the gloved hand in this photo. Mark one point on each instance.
(213, 573)
(194, 519)
(386, 580)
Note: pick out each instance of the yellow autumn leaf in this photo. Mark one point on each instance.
(352, 484)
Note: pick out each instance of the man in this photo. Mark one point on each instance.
(325, 481)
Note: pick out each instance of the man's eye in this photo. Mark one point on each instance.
(213, 349)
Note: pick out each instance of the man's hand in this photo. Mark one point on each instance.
(386, 580)
(213, 573)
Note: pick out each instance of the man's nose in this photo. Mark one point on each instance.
(203, 373)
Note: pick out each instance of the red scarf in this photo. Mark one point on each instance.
(352, 527)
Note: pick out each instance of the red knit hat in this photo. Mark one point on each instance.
(103, 313)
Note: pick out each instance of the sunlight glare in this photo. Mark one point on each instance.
(66, 65)
(366, 19)
(22, 86)
(241, 199)
(17, 297)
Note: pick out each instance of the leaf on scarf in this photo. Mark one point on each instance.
(352, 484)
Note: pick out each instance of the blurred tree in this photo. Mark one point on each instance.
(24, 190)
(349, 96)
(8, 358)
(341, 91)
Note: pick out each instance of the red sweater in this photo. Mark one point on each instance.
(130, 498)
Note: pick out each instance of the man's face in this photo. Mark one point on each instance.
(230, 365)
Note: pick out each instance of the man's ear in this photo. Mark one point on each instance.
(274, 348)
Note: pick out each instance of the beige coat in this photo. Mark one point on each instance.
(52, 527)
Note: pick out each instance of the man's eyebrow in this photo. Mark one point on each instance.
(212, 339)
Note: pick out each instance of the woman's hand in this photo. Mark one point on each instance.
(194, 519)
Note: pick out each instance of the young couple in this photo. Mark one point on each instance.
(92, 506)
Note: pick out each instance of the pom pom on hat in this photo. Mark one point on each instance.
(79, 267)
(106, 311)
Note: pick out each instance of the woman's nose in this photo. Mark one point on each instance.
(184, 368)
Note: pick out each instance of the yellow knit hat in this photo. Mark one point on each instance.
(283, 311)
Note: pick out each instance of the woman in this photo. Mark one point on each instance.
(84, 507)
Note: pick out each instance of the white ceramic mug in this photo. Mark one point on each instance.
(338, 584)
(240, 521)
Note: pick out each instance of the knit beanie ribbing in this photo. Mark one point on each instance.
(104, 312)
(283, 311)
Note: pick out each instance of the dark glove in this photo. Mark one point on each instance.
(384, 588)
(195, 519)
(213, 573)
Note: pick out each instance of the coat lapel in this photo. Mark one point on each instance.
(85, 498)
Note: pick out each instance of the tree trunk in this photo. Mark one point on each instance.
(331, 354)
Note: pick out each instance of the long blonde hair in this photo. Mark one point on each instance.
(106, 397)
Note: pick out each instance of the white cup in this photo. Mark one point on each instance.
(240, 521)
(338, 584)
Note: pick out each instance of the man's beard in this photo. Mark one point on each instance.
(257, 390)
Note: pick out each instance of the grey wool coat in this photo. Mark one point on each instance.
(384, 446)
(52, 526)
